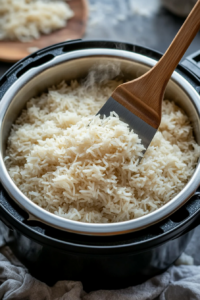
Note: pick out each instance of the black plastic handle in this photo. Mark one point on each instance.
(192, 64)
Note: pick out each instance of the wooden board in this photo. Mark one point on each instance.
(12, 51)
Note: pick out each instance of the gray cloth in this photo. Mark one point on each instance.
(179, 282)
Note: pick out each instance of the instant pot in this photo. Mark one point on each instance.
(102, 256)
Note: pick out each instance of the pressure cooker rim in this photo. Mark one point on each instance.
(37, 213)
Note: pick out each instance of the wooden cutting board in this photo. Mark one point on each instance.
(12, 51)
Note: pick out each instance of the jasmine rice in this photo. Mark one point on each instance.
(25, 20)
(91, 173)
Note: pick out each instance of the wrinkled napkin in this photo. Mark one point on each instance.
(178, 282)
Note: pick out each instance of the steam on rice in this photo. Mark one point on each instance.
(25, 20)
(91, 173)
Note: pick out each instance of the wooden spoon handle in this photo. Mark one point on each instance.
(167, 64)
(143, 96)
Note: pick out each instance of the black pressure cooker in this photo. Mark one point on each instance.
(102, 256)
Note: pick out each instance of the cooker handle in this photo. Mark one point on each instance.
(192, 64)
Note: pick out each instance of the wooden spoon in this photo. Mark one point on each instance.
(139, 102)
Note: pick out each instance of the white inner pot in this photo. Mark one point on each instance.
(75, 65)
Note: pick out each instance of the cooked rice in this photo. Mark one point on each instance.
(25, 20)
(91, 173)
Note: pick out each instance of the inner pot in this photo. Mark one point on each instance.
(33, 80)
